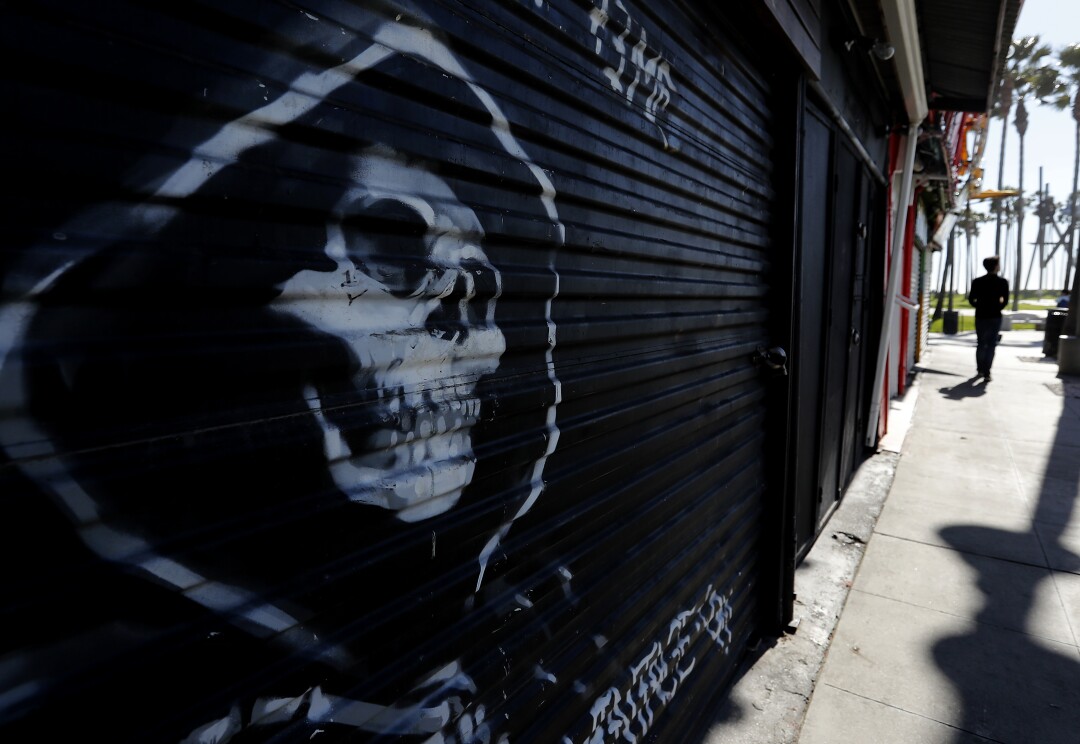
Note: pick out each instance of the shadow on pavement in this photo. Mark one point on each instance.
(967, 389)
(1015, 686)
(1018, 344)
(943, 373)
(968, 339)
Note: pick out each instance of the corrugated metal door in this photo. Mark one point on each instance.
(381, 371)
(923, 299)
(663, 302)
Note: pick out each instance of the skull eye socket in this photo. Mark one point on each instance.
(387, 239)
(470, 303)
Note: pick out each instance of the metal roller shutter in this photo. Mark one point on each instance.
(382, 371)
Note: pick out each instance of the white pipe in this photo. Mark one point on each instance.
(902, 29)
(890, 319)
(907, 303)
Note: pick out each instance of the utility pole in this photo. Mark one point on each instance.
(1040, 212)
(1042, 227)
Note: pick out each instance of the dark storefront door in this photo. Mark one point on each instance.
(856, 388)
(837, 328)
(809, 319)
(833, 232)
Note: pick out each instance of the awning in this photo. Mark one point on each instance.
(965, 43)
(950, 54)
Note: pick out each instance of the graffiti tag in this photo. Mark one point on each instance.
(633, 69)
(626, 712)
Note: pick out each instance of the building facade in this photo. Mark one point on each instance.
(436, 372)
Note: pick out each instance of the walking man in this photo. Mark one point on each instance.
(989, 294)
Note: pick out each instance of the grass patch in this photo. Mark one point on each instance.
(967, 323)
(1027, 300)
(959, 301)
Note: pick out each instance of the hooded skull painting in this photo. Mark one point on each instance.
(271, 409)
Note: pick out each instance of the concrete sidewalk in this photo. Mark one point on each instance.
(963, 619)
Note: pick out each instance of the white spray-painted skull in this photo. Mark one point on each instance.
(413, 295)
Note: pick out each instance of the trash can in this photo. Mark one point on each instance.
(1055, 323)
(950, 321)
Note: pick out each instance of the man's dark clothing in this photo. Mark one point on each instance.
(986, 335)
(989, 294)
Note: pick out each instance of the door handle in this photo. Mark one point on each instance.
(774, 359)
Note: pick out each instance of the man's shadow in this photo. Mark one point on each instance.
(1012, 684)
(970, 388)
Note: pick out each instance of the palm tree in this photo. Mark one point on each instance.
(1031, 76)
(1020, 122)
(1022, 54)
(1002, 107)
(1069, 63)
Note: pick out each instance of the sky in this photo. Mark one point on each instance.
(1049, 142)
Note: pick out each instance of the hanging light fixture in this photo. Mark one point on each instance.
(880, 49)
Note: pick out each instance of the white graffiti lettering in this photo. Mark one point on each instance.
(626, 712)
(631, 67)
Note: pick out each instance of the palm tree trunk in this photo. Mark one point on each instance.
(1042, 252)
(970, 263)
(1069, 256)
(1021, 128)
(1072, 319)
(1019, 233)
(952, 267)
(971, 258)
(945, 270)
(1001, 181)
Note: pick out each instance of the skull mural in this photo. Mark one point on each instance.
(269, 421)
(417, 308)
